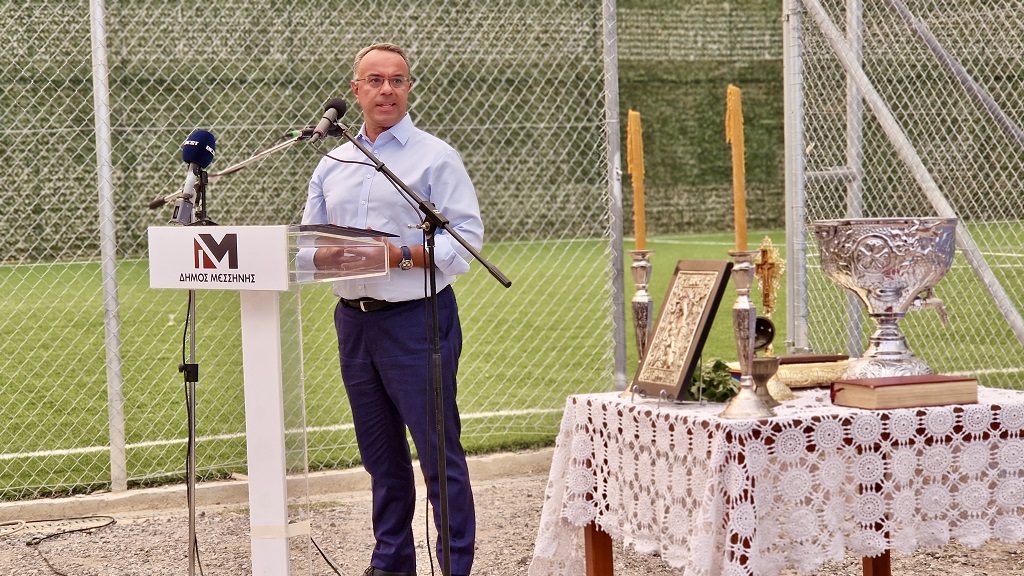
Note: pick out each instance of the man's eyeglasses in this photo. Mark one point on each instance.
(397, 82)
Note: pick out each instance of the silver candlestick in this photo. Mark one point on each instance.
(643, 306)
(746, 403)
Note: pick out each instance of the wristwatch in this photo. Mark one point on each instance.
(406, 263)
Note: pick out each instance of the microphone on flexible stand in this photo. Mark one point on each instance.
(197, 151)
(288, 139)
(333, 109)
(200, 147)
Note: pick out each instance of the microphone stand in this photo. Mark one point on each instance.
(200, 207)
(301, 135)
(191, 372)
(433, 219)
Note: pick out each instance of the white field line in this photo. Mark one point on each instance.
(177, 441)
(988, 371)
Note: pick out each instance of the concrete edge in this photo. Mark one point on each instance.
(321, 486)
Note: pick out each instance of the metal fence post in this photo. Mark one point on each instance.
(108, 247)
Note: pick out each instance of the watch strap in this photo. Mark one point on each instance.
(406, 262)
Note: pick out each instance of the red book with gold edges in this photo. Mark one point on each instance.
(905, 391)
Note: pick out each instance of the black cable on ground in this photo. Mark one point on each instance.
(324, 556)
(35, 541)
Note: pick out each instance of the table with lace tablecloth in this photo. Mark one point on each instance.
(754, 497)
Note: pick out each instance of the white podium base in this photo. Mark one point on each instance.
(265, 435)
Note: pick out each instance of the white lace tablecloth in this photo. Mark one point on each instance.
(747, 497)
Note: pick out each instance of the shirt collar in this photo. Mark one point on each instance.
(401, 132)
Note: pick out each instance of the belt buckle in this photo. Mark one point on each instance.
(362, 305)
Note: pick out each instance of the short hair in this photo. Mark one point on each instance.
(386, 46)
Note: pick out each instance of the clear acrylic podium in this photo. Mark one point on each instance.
(263, 263)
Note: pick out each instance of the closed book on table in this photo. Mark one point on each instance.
(905, 391)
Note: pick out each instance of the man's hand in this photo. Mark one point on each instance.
(346, 259)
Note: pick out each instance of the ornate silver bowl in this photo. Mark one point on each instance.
(892, 265)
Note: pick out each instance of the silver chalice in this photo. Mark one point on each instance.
(892, 265)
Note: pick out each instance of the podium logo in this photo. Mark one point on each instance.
(210, 254)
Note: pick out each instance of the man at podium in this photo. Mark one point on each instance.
(383, 323)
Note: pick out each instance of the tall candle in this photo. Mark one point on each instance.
(734, 136)
(635, 167)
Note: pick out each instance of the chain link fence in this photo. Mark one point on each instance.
(911, 108)
(90, 352)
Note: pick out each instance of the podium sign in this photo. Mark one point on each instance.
(219, 257)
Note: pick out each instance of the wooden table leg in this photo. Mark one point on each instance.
(880, 565)
(598, 546)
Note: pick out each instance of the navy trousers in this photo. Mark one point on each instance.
(385, 365)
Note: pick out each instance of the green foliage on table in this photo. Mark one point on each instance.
(719, 385)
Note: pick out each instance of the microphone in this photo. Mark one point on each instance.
(333, 109)
(164, 200)
(197, 151)
(306, 133)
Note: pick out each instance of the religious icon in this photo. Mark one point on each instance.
(684, 321)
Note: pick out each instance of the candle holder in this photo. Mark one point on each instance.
(643, 306)
(761, 370)
(746, 403)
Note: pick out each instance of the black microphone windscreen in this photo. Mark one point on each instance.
(337, 104)
(200, 148)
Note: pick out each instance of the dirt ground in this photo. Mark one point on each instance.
(154, 542)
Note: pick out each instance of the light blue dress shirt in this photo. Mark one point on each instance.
(356, 195)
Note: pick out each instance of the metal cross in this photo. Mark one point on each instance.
(769, 268)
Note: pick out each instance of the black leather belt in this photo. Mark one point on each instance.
(369, 304)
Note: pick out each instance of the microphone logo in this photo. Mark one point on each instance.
(211, 150)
